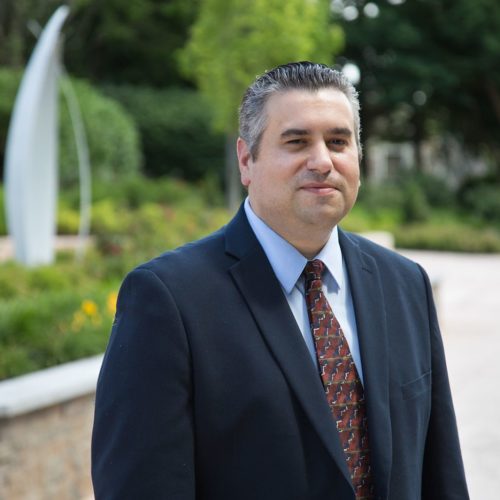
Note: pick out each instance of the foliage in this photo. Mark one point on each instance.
(16, 38)
(107, 40)
(449, 237)
(412, 194)
(175, 129)
(74, 326)
(423, 213)
(112, 136)
(58, 313)
(362, 218)
(113, 139)
(113, 201)
(142, 233)
(133, 42)
(441, 231)
(39, 308)
(420, 62)
(9, 82)
(232, 41)
(481, 197)
(134, 191)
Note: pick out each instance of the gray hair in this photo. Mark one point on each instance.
(303, 75)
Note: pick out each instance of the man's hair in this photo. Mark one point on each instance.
(303, 75)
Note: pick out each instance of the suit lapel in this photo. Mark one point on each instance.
(370, 310)
(256, 281)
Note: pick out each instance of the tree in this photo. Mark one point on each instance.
(106, 40)
(428, 66)
(133, 42)
(16, 40)
(234, 40)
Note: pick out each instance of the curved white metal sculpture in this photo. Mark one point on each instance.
(31, 158)
(84, 170)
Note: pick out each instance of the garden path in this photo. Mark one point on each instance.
(468, 300)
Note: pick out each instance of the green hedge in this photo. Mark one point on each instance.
(113, 138)
(124, 195)
(132, 192)
(175, 131)
(450, 237)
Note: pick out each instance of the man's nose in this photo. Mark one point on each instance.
(320, 158)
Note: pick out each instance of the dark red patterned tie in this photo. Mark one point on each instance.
(343, 388)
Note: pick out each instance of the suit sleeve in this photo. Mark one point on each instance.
(142, 443)
(443, 470)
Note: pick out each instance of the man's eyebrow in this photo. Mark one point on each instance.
(294, 131)
(344, 131)
(347, 132)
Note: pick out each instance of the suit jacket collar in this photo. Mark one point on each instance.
(254, 277)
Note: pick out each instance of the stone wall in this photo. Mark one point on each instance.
(45, 437)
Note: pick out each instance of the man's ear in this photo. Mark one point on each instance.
(244, 161)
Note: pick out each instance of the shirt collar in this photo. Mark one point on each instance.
(287, 262)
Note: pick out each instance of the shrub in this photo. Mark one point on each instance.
(361, 218)
(414, 207)
(175, 131)
(414, 195)
(450, 237)
(374, 197)
(135, 191)
(480, 197)
(19, 281)
(52, 328)
(111, 201)
(13, 281)
(113, 139)
(155, 228)
(437, 192)
(68, 218)
(111, 133)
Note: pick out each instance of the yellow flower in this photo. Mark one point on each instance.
(89, 307)
(111, 303)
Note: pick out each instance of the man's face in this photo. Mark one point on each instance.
(306, 174)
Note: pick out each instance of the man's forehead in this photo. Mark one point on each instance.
(299, 109)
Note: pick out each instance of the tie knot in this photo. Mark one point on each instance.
(314, 270)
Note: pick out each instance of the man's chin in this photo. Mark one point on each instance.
(325, 217)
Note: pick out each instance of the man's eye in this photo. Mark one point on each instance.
(338, 142)
(295, 141)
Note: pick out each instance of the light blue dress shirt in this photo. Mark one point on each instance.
(288, 264)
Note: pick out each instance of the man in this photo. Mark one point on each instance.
(280, 358)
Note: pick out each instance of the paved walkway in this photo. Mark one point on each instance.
(469, 311)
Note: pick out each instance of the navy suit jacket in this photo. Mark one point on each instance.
(208, 392)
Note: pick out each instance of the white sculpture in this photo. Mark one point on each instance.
(31, 157)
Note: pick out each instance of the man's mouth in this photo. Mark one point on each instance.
(320, 188)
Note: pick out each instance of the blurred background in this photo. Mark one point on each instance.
(159, 83)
